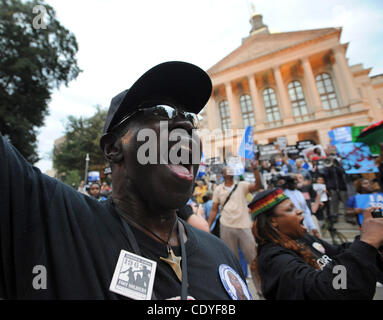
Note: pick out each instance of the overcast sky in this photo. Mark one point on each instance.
(121, 39)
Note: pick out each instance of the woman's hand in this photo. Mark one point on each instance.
(372, 229)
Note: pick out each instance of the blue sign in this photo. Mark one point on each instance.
(364, 201)
(356, 157)
(93, 176)
(246, 149)
(340, 135)
(202, 167)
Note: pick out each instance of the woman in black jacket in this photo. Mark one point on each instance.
(295, 265)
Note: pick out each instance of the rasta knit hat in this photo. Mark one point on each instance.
(266, 200)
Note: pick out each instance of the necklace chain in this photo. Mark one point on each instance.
(148, 230)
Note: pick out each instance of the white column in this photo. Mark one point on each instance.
(323, 137)
(342, 94)
(312, 88)
(284, 101)
(346, 74)
(235, 110)
(259, 108)
(292, 138)
(212, 114)
(374, 110)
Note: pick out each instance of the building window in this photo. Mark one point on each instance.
(326, 91)
(271, 105)
(297, 99)
(225, 115)
(247, 110)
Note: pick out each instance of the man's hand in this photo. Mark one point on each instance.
(257, 185)
(254, 164)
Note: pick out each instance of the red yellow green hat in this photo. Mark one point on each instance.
(266, 200)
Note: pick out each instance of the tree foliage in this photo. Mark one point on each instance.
(32, 63)
(82, 136)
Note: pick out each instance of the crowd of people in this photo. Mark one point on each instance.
(96, 189)
(320, 188)
(103, 244)
(321, 181)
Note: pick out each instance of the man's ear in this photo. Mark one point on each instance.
(113, 151)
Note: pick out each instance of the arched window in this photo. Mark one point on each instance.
(271, 105)
(225, 115)
(326, 91)
(297, 99)
(247, 110)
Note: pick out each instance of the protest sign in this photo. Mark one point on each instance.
(249, 177)
(340, 135)
(292, 151)
(93, 176)
(236, 164)
(267, 151)
(364, 201)
(246, 149)
(304, 144)
(282, 143)
(355, 131)
(202, 167)
(356, 158)
(215, 164)
(215, 160)
(216, 168)
(309, 152)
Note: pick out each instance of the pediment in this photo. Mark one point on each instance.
(259, 45)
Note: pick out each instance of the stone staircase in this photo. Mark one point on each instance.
(350, 231)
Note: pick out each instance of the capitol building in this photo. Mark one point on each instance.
(298, 85)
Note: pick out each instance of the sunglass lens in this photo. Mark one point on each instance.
(192, 118)
(166, 112)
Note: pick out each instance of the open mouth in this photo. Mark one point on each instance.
(182, 166)
(182, 171)
(302, 225)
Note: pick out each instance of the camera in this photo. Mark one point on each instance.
(377, 213)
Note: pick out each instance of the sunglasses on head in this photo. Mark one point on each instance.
(162, 112)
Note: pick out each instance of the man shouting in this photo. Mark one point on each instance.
(133, 245)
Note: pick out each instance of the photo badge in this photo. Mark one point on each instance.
(133, 276)
(233, 283)
(319, 247)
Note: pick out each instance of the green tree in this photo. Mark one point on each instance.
(32, 63)
(82, 136)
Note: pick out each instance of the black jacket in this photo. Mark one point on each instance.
(334, 178)
(286, 276)
(77, 240)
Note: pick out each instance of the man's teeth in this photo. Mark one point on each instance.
(186, 148)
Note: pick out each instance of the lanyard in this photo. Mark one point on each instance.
(133, 242)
